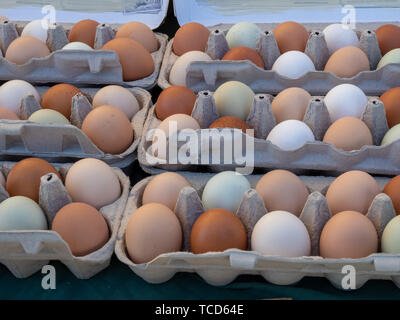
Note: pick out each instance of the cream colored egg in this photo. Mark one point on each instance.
(48, 116)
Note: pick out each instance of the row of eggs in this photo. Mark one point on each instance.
(348, 234)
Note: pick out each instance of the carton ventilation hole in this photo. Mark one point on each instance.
(261, 97)
(5, 21)
(49, 177)
(267, 32)
(103, 25)
(374, 102)
(216, 31)
(316, 33)
(369, 31)
(317, 100)
(205, 93)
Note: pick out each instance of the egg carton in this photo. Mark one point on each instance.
(26, 252)
(221, 268)
(209, 75)
(66, 143)
(73, 66)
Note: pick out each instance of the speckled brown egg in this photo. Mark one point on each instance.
(244, 53)
(173, 100)
(109, 129)
(230, 122)
(139, 32)
(347, 62)
(7, 114)
(23, 49)
(59, 98)
(136, 61)
(217, 230)
(291, 35)
(392, 189)
(82, 227)
(192, 36)
(391, 101)
(290, 104)
(24, 177)
(388, 37)
(84, 31)
(348, 133)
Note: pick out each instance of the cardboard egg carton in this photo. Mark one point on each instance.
(209, 75)
(315, 155)
(26, 252)
(66, 143)
(73, 66)
(220, 268)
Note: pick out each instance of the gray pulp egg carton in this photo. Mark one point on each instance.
(315, 155)
(66, 143)
(220, 268)
(26, 252)
(73, 66)
(209, 75)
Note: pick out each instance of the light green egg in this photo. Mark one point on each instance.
(48, 116)
(392, 135)
(393, 56)
(391, 236)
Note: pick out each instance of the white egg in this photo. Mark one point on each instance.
(281, 233)
(339, 35)
(345, 100)
(243, 34)
(2, 180)
(35, 29)
(177, 76)
(290, 135)
(77, 46)
(12, 92)
(293, 64)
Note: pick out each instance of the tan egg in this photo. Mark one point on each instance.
(347, 62)
(290, 36)
(348, 234)
(354, 190)
(282, 190)
(136, 61)
(173, 100)
(84, 31)
(59, 98)
(290, 104)
(165, 188)
(23, 49)
(7, 114)
(139, 32)
(348, 134)
(153, 229)
(109, 129)
(82, 227)
(192, 36)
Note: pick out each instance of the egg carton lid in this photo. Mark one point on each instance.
(150, 12)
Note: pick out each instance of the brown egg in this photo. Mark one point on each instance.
(192, 36)
(24, 177)
(136, 61)
(244, 53)
(391, 101)
(59, 98)
(388, 37)
(392, 189)
(82, 227)
(109, 129)
(347, 62)
(348, 234)
(282, 190)
(353, 190)
(348, 133)
(164, 188)
(173, 100)
(153, 229)
(230, 122)
(84, 31)
(217, 230)
(290, 104)
(23, 49)
(139, 32)
(291, 35)
(7, 114)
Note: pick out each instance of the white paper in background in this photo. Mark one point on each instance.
(212, 12)
(150, 12)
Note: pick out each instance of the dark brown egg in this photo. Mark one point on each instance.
(244, 53)
(84, 31)
(290, 36)
(388, 37)
(139, 32)
(7, 114)
(173, 100)
(391, 101)
(24, 177)
(230, 122)
(59, 98)
(192, 36)
(392, 189)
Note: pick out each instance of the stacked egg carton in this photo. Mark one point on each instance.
(26, 252)
(73, 66)
(220, 268)
(61, 143)
(209, 75)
